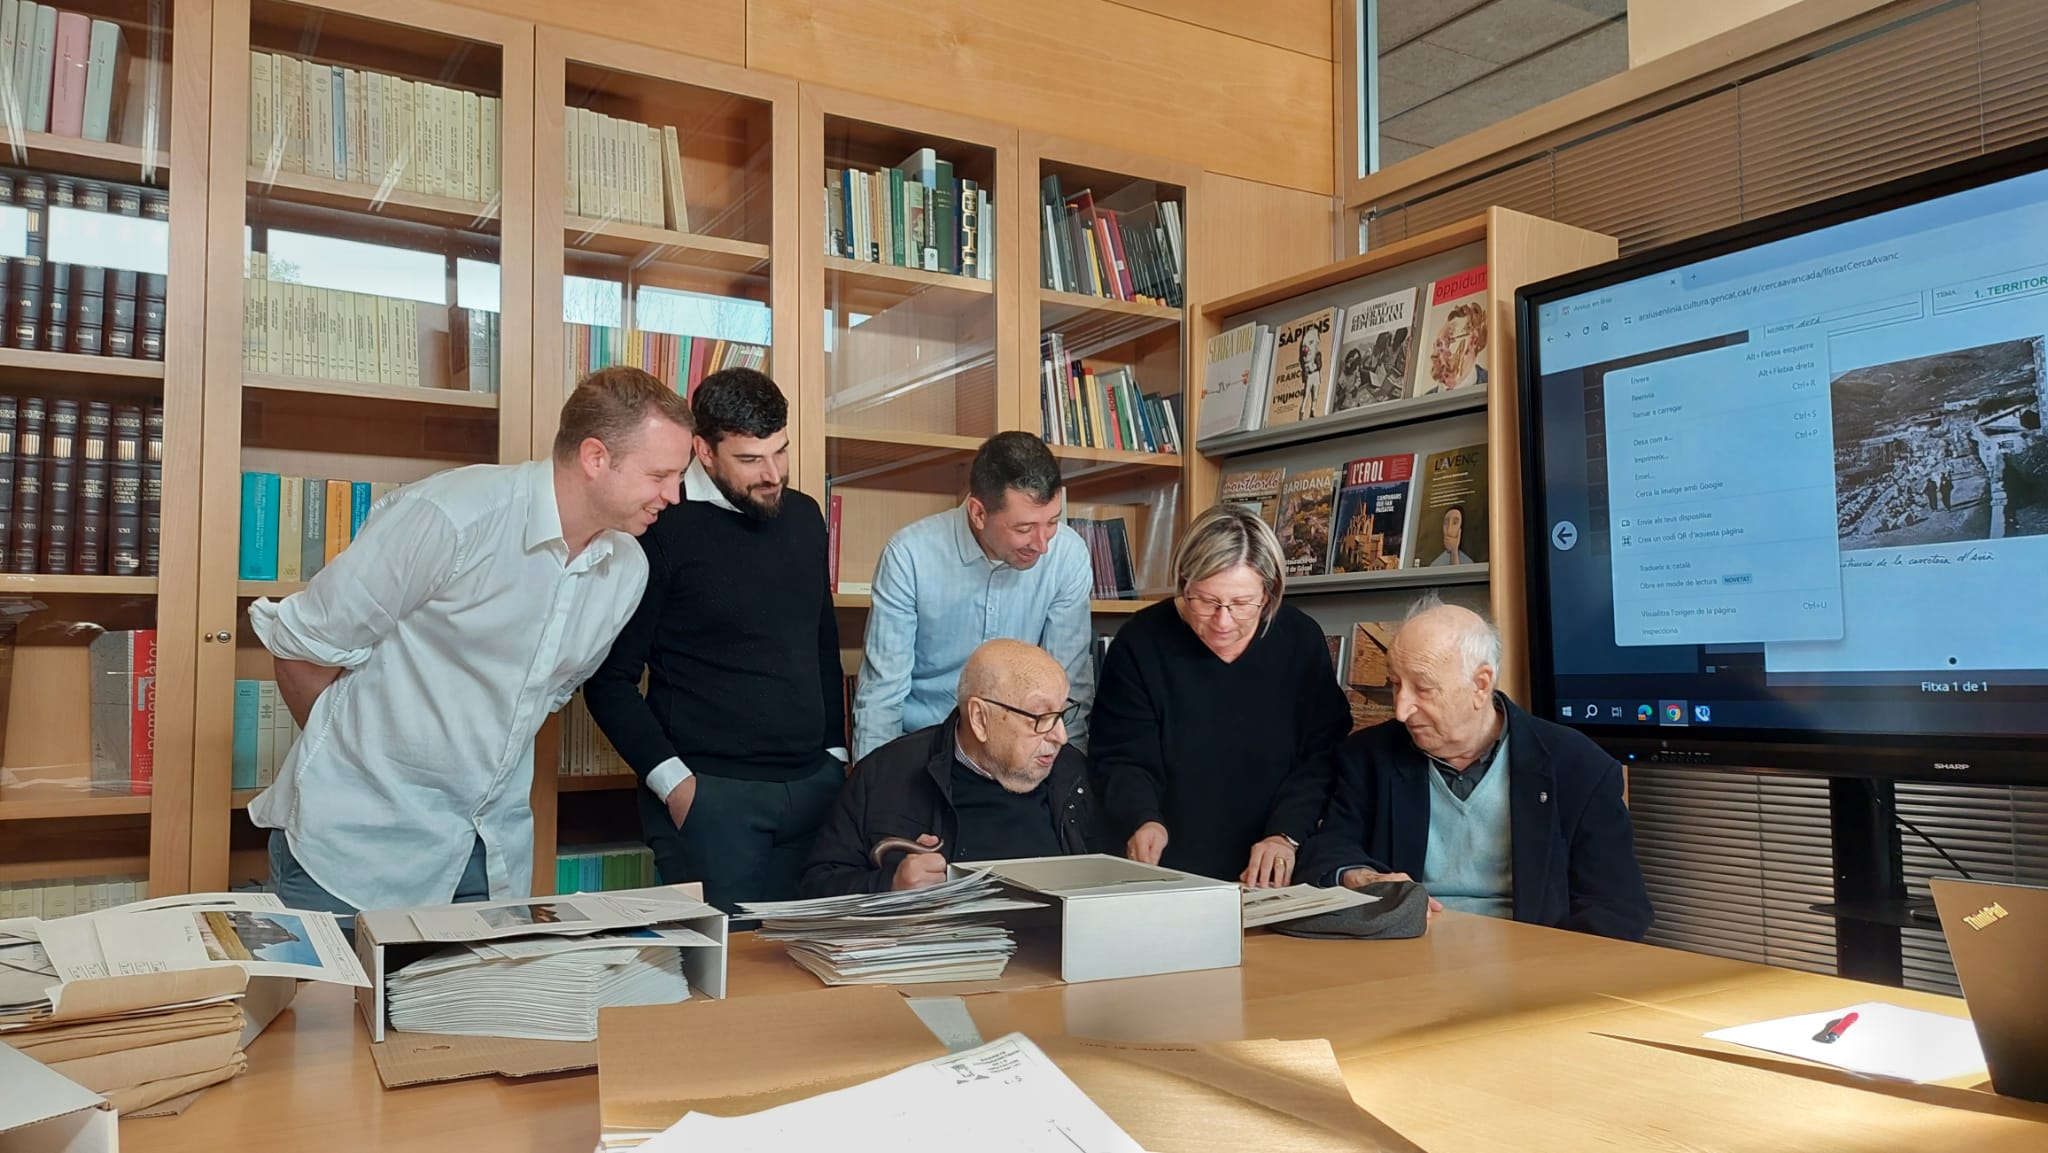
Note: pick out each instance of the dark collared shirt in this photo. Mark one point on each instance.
(1463, 781)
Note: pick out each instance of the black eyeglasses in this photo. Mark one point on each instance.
(1040, 722)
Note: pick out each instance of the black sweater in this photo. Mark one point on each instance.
(737, 635)
(1223, 755)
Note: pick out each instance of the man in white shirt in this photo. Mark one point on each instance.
(422, 660)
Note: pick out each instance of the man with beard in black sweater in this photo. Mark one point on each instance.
(740, 737)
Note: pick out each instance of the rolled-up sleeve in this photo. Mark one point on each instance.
(404, 554)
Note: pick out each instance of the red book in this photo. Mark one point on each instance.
(67, 74)
(142, 731)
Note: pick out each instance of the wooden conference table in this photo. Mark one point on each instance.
(1482, 1035)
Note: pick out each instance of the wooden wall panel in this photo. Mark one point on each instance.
(1303, 26)
(1248, 234)
(1661, 27)
(713, 29)
(1181, 91)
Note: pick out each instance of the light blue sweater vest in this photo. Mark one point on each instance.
(1470, 864)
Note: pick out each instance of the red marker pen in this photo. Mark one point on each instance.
(1833, 1030)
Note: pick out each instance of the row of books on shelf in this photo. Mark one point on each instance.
(1337, 359)
(681, 362)
(915, 215)
(81, 486)
(1109, 556)
(292, 526)
(1094, 250)
(291, 329)
(614, 169)
(69, 897)
(604, 869)
(264, 733)
(1079, 406)
(586, 752)
(1361, 664)
(56, 306)
(66, 73)
(372, 129)
(121, 711)
(1372, 515)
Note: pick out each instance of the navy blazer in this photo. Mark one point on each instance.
(1574, 847)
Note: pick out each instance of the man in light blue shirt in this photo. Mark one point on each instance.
(1000, 565)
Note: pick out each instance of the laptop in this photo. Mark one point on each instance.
(1998, 935)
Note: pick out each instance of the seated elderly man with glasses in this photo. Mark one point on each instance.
(996, 779)
(1214, 712)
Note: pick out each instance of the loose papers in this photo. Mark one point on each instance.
(942, 932)
(1004, 1097)
(540, 988)
(1885, 1041)
(1272, 906)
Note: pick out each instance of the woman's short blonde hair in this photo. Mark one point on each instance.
(1223, 538)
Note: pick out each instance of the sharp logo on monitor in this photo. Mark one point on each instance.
(1952, 766)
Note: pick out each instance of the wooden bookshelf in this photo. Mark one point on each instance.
(94, 159)
(597, 784)
(391, 203)
(78, 371)
(643, 245)
(861, 602)
(59, 808)
(249, 590)
(63, 868)
(1517, 249)
(37, 584)
(344, 392)
(242, 797)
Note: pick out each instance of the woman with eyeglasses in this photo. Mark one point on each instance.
(1213, 712)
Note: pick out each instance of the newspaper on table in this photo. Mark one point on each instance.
(943, 932)
(1293, 902)
(1004, 1097)
(563, 916)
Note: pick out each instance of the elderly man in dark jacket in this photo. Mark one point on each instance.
(994, 780)
(1493, 810)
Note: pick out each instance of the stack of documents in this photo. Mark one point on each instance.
(141, 1003)
(1293, 902)
(1005, 1097)
(544, 988)
(943, 932)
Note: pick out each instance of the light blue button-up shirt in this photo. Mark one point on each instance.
(938, 596)
(459, 621)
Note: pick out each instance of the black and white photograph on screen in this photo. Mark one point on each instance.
(1942, 448)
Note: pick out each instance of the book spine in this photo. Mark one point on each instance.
(56, 334)
(152, 487)
(124, 496)
(88, 309)
(68, 74)
(339, 502)
(32, 194)
(43, 63)
(259, 527)
(266, 730)
(8, 265)
(150, 334)
(93, 486)
(359, 508)
(242, 754)
(313, 528)
(60, 478)
(142, 736)
(28, 486)
(110, 663)
(119, 338)
(10, 421)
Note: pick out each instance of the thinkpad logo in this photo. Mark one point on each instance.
(1985, 916)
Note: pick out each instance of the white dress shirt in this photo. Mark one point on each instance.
(663, 778)
(460, 622)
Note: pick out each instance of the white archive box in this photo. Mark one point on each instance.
(1118, 918)
(43, 1111)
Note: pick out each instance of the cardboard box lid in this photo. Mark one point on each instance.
(419, 1058)
(42, 1111)
(745, 1054)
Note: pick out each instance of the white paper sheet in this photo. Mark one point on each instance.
(1271, 906)
(1885, 1041)
(1004, 1097)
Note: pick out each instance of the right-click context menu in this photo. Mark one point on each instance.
(1722, 496)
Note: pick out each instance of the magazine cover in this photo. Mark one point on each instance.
(1372, 514)
(1365, 679)
(1301, 366)
(1450, 508)
(1304, 521)
(1454, 335)
(1256, 489)
(1227, 382)
(1374, 355)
